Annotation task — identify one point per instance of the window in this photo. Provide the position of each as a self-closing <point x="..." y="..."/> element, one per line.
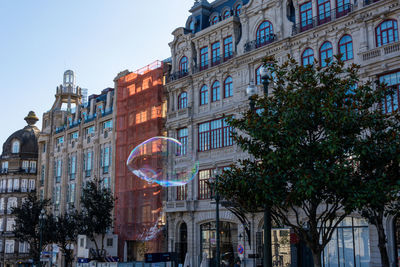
<point x="89" y="130"/>
<point x="16" y="185"/>
<point x="31" y="185"/>
<point x="215" y="54"/>
<point x="387" y="33"/>
<point x="10" y="246"/>
<point x="191" y="26"/>
<point x="71" y="193"/>
<point x="204" y="188"/>
<point x="343" y="8"/>
<point x="349" y="245"/>
<point x="23" y="247"/>
<point x="25" y="165"/>
<point x="24" y="185"/>
<point x="72" y="167"/>
<point x="226" y="14"/>
<point x="107" y="124"/>
<point x="214" y="134"/>
<point x="215" y="92"/>
<point x="58" y="170"/>
<point x="228" y="87"/>
<point x="9" y="185"/>
<point x="57" y="197"/>
<point x="42" y="175"/>
<point x="183" y="139"/>
<point x="306" y="21"/>
<point x="238" y="9"/>
<point x="346" y="47"/>
<point x="109" y="242"/>
<point x="60" y="140"/>
<point x="1" y="224"/>
<point x="88" y="163"/>
<point x="183" y="66"/>
<point x="204" y="58"/>
<point x="228" y="52"/>
<point x="4" y="167"/>
<point x="182" y="100"/>
<point x="15" y="147"/>
<point x="105" y="159"/>
<point x="11" y="203"/>
<point x="181" y="192"/>
<point x="32" y="166"/>
<point x="264" y="33"/>
<point x="325" y="53"/>
<point x="324" y="11"/>
<point x="391" y="102"/>
<point x="307" y="58"/>
<point x="203" y="95"/>
<point x="214" y="20"/>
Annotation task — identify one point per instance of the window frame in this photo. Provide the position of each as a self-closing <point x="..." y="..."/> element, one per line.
<point x="204" y="58"/>
<point x="394" y="30"/>
<point x="229" y="83"/>
<point x="345" y="56"/>
<point x="182" y="137"/>
<point x="342" y="8"/>
<point x="306" y="16"/>
<point x="307" y="57"/>
<point x="215" y="91"/>
<point x="325" y="52"/>
<point x="264" y="33"/>
<point x="238" y="9"/>
<point x="214" y="20"/>
<point x="215" y="53"/>
<point x="326" y="6"/>
<point x="396" y="86"/>
<point x="182" y="100"/>
<point x="203" y="95"/>
<point x="204" y="190"/>
<point x="211" y="137"/>
<point x="16" y="147"/>
<point x="228" y="47"/>
<point x="181" y="192"/>
<point x="183" y="66"/>
<point x="226" y="14"/>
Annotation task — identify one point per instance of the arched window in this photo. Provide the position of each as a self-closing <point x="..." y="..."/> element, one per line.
<point x="325" y="53"/>
<point x="386" y="32"/>
<point x="191" y="26"/>
<point x="307" y="57"/>
<point x="228" y="87"/>
<point x="346" y="47"/>
<point x="182" y="100"/>
<point x="264" y="33"/>
<point x="183" y="66"/>
<point x="238" y="9"/>
<point x="215" y="91"/>
<point x="227" y="14"/>
<point x="203" y="95"/>
<point x="214" y="20"/>
<point x="15" y="147"/>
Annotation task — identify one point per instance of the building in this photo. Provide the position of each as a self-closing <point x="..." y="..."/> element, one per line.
<point x="76" y="145"/>
<point x="17" y="180"/>
<point x="215" y="56"/>
<point x="140" y="115"/>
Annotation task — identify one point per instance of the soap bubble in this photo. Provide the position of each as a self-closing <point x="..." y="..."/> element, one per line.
<point x="153" y="160"/>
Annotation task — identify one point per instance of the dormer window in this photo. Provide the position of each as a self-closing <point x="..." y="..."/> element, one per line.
<point x="15" y="147"/>
<point x="227" y="14"/>
<point x="191" y="26"/>
<point x="214" y="20"/>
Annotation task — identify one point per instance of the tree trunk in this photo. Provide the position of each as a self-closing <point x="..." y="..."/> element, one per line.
<point x="317" y="259"/>
<point x="382" y="242"/>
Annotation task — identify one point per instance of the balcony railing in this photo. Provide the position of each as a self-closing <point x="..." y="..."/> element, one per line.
<point x="259" y="42"/>
<point x="322" y="18"/>
<point x="3" y="170"/>
<point x="179" y="74"/>
<point x="215" y="61"/>
<point x="107" y="112"/>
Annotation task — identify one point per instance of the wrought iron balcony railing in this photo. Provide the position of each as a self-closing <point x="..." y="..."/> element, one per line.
<point x="259" y="42"/>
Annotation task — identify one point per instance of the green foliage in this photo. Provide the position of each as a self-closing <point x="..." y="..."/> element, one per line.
<point x="300" y="141"/>
<point x="95" y="219"/>
<point x="27" y="225"/>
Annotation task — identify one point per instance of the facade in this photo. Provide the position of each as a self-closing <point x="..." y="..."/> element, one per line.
<point x="18" y="179"/>
<point x="140" y="115"/>
<point x="75" y="146"/>
<point x="215" y="57"/>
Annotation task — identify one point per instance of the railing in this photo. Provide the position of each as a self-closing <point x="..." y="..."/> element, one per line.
<point x="322" y="18"/>
<point x="28" y="170"/>
<point x="60" y="129"/>
<point x="179" y="74"/>
<point x="4" y="170"/>
<point x="215" y="61"/>
<point x="74" y="124"/>
<point x="259" y="42"/>
<point x="380" y="51"/>
<point x="228" y="55"/>
<point x="107" y="112"/>
<point x="368" y="2"/>
<point x="90" y="118"/>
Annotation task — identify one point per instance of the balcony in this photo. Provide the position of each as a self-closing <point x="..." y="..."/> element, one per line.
<point x="259" y="42"/>
<point x="90" y="118"/>
<point x="179" y="74"/>
<point x="60" y="129"/>
<point x="331" y="15"/>
<point x="215" y="61"/>
<point x="381" y="51"/>
<point x="4" y="171"/>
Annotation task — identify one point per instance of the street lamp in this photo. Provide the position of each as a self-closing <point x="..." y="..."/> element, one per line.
<point x="251" y="90"/>
<point x="217" y="198"/>
<point x="42" y="217"/>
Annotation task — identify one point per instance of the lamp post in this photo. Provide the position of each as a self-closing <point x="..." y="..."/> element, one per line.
<point x="42" y="217"/>
<point x="251" y="91"/>
<point x="218" y="234"/>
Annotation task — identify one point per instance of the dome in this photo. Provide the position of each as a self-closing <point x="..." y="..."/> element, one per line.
<point x="23" y="142"/>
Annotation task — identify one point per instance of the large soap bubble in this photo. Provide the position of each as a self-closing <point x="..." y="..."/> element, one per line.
<point x="153" y="160"/>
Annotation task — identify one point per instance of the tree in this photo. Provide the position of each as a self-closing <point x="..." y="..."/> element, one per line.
<point x="66" y="233"/>
<point x="377" y="155"/>
<point x="95" y="219"/>
<point x="27" y="227"/>
<point x="300" y="140"/>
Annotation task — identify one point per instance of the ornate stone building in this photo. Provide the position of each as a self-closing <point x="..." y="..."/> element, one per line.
<point x="17" y="179"/>
<point x="215" y="57"/>
<point x="75" y="146"/>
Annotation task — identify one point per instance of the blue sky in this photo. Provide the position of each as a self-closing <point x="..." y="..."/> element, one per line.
<point x="40" y="39"/>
